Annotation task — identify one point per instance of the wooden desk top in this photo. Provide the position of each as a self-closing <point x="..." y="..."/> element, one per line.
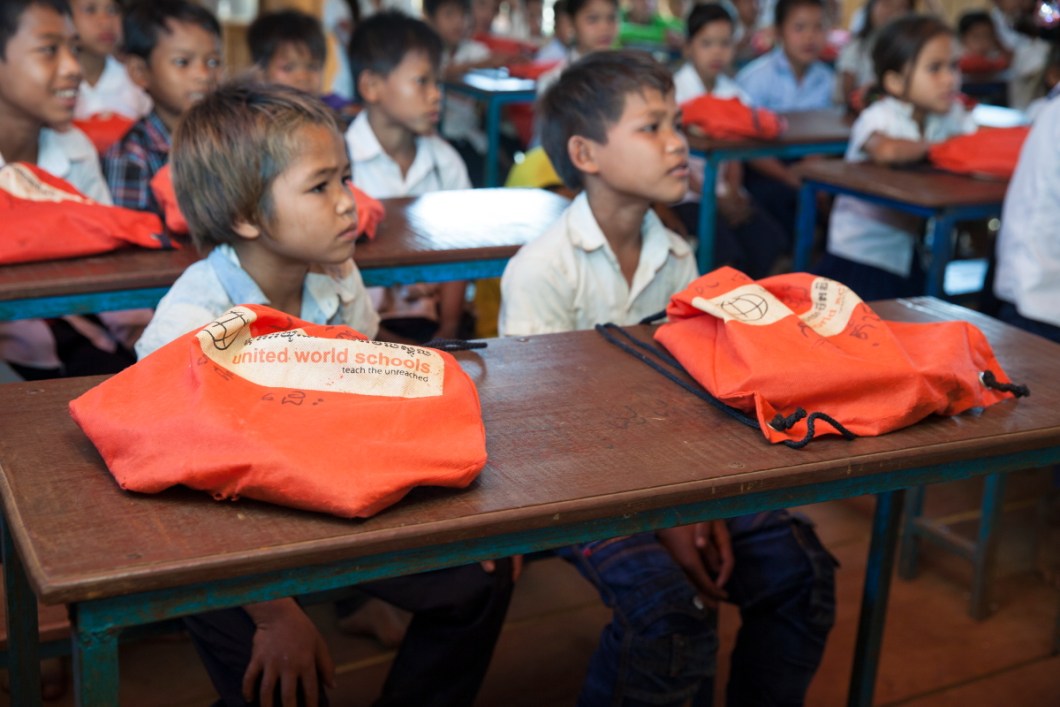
<point x="577" y="430"/>
<point x="920" y="186"/>
<point x="804" y="127"/>
<point x="435" y="228"/>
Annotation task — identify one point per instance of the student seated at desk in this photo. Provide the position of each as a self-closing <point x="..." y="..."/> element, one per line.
<point x="788" y="78"/>
<point x="612" y="129"/>
<point x="39" y="78"/>
<point x="558" y="47"/>
<point x="288" y="48"/>
<point x="173" y="50"/>
<point x="854" y="65"/>
<point x="105" y="83"/>
<point x="595" y="24"/>
<point x="396" y="152"/>
<point x="871" y="248"/>
<point x="745" y="235"/>
<point x="261" y="175"/>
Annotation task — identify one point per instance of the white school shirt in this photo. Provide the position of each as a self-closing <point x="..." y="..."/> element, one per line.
<point x="856" y="59"/>
<point x="688" y="85"/>
<point x="568" y="278"/>
<point x="1028" y="247"/>
<point x="115" y="92"/>
<point x="70" y="156"/>
<point x="875" y="235"/>
<point x="461" y="118"/>
<point x="436" y="166"/>
<point x="770" y="82"/>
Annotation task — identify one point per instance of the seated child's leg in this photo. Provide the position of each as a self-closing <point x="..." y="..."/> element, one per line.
<point x="784" y="584"/>
<point x="661" y="643"/>
<point x="761" y="242"/>
<point x="779" y="199"/>
<point x="224" y="640"/>
<point x="457" y="618"/>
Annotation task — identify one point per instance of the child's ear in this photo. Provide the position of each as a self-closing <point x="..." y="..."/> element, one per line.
<point x="893" y="83"/>
<point x="245" y="229"/>
<point x="137" y="69"/>
<point x="368" y="86"/>
<point x="582" y="153"/>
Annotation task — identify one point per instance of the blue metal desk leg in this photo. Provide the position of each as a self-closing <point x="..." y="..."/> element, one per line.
<point x="95" y="662"/>
<point x="804" y="228"/>
<point x="22" y="636"/>
<point x="986" y="545"/>
<point x="874" y="597"/>
<point x="909" y="556"/>
<point x="493" y="140"/>
<point x="708" y="210"/>
<point x="941" y="249"/>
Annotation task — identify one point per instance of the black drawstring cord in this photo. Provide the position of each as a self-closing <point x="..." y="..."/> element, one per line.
<point x="451" y="345"/>
<point x="990" y="381"/>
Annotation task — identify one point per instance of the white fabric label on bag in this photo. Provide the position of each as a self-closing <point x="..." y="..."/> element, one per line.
<point x="292" y="359"/>
<point x="832" y="304"/>
<point x="749" y="304"/>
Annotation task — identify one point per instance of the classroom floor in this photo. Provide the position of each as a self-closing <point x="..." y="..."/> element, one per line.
<point x="934" y="655"/>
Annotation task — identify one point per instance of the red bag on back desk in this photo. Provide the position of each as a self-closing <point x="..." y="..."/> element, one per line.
<point x="263" y="405"/>
<point x="796" y="341"/>
<point x="45" y="218"/>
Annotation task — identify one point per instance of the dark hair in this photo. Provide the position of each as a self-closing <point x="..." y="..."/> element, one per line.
<point x="228" y="150"/>
<point x="704" y="14"/>
<point x="272" y="30"/>
<point x="561" y="7"/>
<point x="382" y="41"/>
<point x="867" y="28"/>
<point x="786" y="7"/>
<point x="901" y="41"/>
<point x="11" y="17"/>
<point x="589" y="97"/>
<point x="145" y="20"/>
<point x="576" y="6"/>
<point x="970" y="20"/>
<point x="431" y="7"/>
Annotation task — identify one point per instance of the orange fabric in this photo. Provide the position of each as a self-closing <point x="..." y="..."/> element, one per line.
<point x="531" y="69"/>
<point x="262" y="405"/>
<point x="978" y="64"/>
<point x="45" y="218"/>
<point x="728" y="118"/>
<point x="800" y="341"/>
<point x="104" y="129"/>
<point x="991" y="152"/>
<point x="369" y="211"/>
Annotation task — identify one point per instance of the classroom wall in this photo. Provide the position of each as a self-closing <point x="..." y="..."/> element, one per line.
<point x="952" y="8"/>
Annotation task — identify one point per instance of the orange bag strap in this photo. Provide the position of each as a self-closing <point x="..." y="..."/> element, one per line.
<point x="779" y="422"/>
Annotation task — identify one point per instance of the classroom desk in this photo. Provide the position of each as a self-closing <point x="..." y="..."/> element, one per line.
<point x="941" y="196"/>
<point x="584" y="443"/>
<point x="813" y="132"/>
<point x="441" y="236"/>
<point x="495" y="88"/>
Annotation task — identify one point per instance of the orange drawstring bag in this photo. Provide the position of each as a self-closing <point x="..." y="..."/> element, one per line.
<point x="263" y="405"/>
<point x="729" y="118"/>
<point x="46" y="218"/>
<point x="991" y="152"/>
<point x="782" y="346"/>
<point x="104" y="129"/>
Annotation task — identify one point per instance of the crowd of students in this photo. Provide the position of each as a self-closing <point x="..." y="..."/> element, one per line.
<point x="262" y="168"/>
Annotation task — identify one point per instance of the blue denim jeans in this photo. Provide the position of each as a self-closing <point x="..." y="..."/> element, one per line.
<point x="661" y="645"/>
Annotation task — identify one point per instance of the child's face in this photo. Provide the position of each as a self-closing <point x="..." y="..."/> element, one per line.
<point x="747" y="10"/>
<point x="883" y="11"/>
<point x="933" y="78"/>
<point x="409" y="95"/>
<point x="483" y="12"/>
<point x="39" y="73"/>
<point x="451" y="23"/>
<point x="979" y="40"/>
<point x="184" y="66"/>
<point x="563" y="28"/>
<point x="314" y="216"/>
<point x="293" y="65"/>
<point x="595" y="26"/>
<point x="710" y="51"/>
<point x="98" y="23"/>
<point x="646" y="155"/>
<point x="803" y="35"/>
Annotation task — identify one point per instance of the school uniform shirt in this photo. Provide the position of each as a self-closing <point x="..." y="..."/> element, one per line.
<point x="569" y="278"/>
<point x="1028" y="247"/>
<point x="461" y="119"/>
<point x="436" y="166"/>
<point x="554" y="50"/>
<point x="217" y="283"/>
<point x="115" y="92"/>
<point x="770" y="82"/>
<point x="856" y="59"/>
<point x="131" y="162"/>
<point x="70" y="156"/>
<point x="875" y="235"/>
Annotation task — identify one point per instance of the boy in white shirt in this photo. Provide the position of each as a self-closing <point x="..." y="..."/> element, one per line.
<point x="105" y="85"/>
<point x="612" y="128"/>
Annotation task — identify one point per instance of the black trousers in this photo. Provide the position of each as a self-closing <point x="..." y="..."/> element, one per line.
<point x="457" y="618"/>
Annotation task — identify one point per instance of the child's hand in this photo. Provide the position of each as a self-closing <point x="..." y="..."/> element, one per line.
<point x="490" y="566"/>
<point x="735" y="208"/>
<point x="696" y="548"/>
<point x="288" y="651"/>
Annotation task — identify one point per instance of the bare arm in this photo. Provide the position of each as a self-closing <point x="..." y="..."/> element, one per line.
<point x="891" y="150"/>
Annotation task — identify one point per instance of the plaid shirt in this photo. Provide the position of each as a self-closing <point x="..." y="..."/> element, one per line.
<point x="130" y="163"/>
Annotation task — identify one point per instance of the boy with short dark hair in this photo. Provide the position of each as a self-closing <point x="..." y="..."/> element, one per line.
<point x="173" y="52"/>
<point x="594" y="28"/>
<point x="289" y="48"/>
<point x="262" y="177"/>
<point x="612" y="128"/>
